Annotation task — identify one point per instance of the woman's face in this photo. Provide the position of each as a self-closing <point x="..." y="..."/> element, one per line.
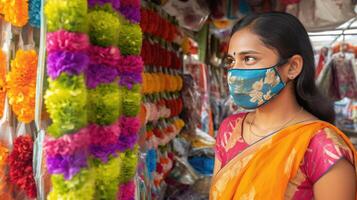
<point x="247" y="51"/>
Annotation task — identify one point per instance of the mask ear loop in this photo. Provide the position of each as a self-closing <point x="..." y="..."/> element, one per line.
<point x="279" y="64"/>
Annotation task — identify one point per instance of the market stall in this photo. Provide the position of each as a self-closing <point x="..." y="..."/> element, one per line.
<point x="123" y="99"/>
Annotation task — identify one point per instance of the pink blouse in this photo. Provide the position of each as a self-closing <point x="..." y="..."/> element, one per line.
<point x="326" y="148"/>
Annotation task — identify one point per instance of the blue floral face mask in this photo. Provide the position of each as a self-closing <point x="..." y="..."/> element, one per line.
<point x="251" y="88"/>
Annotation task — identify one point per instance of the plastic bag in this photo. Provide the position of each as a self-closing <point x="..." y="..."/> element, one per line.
<point x="191" y="14"/>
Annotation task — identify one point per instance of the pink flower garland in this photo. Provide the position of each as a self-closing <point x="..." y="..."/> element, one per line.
<point x="67" y="41"/>
<point x="126" y="191"/>
<point x="109" y="56"/>
<point x="104" y="135"/>
<point x="67" y="144"/>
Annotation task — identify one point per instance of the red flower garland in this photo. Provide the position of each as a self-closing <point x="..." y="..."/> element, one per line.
<point x="20" y="161"/>
<point x="154" y="24"/>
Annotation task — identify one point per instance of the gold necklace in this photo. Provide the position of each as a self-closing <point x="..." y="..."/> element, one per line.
<point x="286" y="123"/>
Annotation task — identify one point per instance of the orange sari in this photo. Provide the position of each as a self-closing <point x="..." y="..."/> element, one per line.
<point x="264" y="169"/>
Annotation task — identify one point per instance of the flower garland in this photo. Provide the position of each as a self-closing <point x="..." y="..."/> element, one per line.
<point x="86" y="161"/>
<point x="103" y="28"/>
<point x="21" y="84"/>
<point x="109" y="56"/>
<point x="113" y="94"/>
<point x="63" y="40"/>
<point x="104" y="104"/>
<point x="155" y="24"/>
<point x="164" y="83"/>
<point x="2" y="81"/>
<point x="67" y="147"/>
<point x="132" y="101"/>
<point x="20" y="161"/>
<point x="154" y="54"/>
<point x="73" y="63"/>
<point x="128" y="169"/>
<point x="131" y="10"/>
<point x="127" y="191"/>
<point x="98" y="74"/>
<point x="130" y="71"/>
<point x="35" y="13"/>
<point x="114" y="3"/>
<point x="130" y="38"/>
<point x="130" y="127"/>
<point x="68" y="144"/>
<point x="67" y="165"/>
<point x="65" y="101"/>
<point x="70" y="15"/>
<point x="107" y="178"/>
<point x="16" y="12"/>
<point x="80" y="187"/>
<point x="104" y="141"/>
<point x="4" y="153"/>
<point x="151" y="158"/>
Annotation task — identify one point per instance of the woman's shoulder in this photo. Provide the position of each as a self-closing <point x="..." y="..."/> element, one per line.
<point x="325" y="149"/>
<point x="328" y="137"/>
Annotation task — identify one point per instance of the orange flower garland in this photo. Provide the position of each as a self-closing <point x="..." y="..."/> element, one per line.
<point x="2" y="5"/>
<point x="161" y="82"/>
<point x="4" y="184"/>
<point x="21" y="84"/>
<point x="2" y="81"/>
<point x="144" y="84"/>
<point x="16" y="12"/>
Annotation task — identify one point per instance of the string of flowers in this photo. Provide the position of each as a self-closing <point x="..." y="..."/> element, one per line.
<point x="67" y="144"/>
<point x="2" y="81"/>
<point x="130" y="71"/>
<point x="5" y="187"/>
<point x="81" y="186"/>
<point x="114" y="97"/>
<point x="35" y="13"/>
<point x="110" y="104"/>
<point x="162" y="102"/>
<point x="21" y="85"/>
<point x="20" y="162"/>
<point x="16" y="12"/>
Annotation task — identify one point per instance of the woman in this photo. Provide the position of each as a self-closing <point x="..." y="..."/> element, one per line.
<point x="285" y="148"/>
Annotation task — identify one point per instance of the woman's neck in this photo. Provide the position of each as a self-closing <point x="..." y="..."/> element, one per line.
<point x="279" y="110"/>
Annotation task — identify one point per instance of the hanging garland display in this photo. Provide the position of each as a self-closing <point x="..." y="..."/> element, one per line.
<point x="94" y="98"/>
<point x="162" y="83"/>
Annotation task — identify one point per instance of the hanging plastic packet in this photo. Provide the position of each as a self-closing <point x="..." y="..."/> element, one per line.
<point x="190" y="14"/>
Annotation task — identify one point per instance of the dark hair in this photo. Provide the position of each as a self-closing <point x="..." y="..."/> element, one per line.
<point x="285" y="33"/>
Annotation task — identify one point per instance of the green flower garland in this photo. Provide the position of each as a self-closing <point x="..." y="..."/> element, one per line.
<point x="66" y="101"/>
<point x="130" y="161"/>
<point x="130" y="38"/>
<point x="70" y="15"/>
<point x="80" y="187"/>
<point x="103" y="28"/>
<point x="131" y="101"/>
<point x="107" y="179"/>
<point x="104" y="104"/>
